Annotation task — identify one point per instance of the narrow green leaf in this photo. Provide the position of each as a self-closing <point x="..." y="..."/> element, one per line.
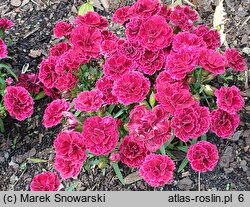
<point x="194" y="141"/>
<point x="111" y="108"/>
<point x="118" y="172"/>
<point x="85" y="8"/>
<point x="183" y="148"/>
<point x="40" y="95"/>
<point x="162" y="150"/>
<point x="73" y="186"/>
<point x="1" y="126"/>
<point x="119" y="113"/>
<point x="182" y="165"/>
<point x="8" y="68"/>
<point x="171" y="155"/>
<point x="204" y="137"/>
<point x="36" y="160"/>
<point x="169" y="141"/>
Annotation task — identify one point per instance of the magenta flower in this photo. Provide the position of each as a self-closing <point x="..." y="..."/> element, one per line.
<point x="62" y="29"/>
<point x="150" y="127"/>
<point x="132" y="153"/>
<point x="235" y="60"/>
<point x="190" y="123"/>
<point x="229" y="99"/>
<point x="155" y="33"/>
<point x="203" y="156"/>
<point x="54" y="112"/>
<point x="18" y="102"/>
<point x="3" y="49"/>
<point x="5" y="24"/>
<point x="92" y="19"/>
<point x="89" y="101"/>
<point x="47" y="181"/>
<point x="131" y="88"/>
<point x="100" y="134"/>
<point x="224" y="124"/>
<point x="157" y="170"/>
<point x="70" y="145"/>
<point x="67" y="168"/>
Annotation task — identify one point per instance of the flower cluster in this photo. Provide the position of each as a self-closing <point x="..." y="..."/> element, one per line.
<point x="152" y="80"/>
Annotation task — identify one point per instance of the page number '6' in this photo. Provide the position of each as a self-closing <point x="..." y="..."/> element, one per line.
<point x="241" y="198"/>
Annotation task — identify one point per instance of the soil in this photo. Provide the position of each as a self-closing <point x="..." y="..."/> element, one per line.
<point x="34" y="21"/>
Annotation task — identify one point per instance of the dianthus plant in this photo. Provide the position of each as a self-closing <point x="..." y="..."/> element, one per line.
<point x="138" y="98"/>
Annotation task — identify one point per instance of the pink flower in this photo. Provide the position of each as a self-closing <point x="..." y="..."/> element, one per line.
<point x="67" y="168"/>
<point x="92" y="19"/>
<point x="71" y="121"/>
<point x="3" y="49"/>
<point x="115" y="157"/>
<point x="155" y="33"/>
<point x="157" y="170"/>
<point x="30" y="82"/>
<point x="203" y="156"/>
<point x="183" y="17"/>
<point x="145" y="8"/>
<point x="5" y="24"/>
<point x="210" y="37"/>
<point x="66" y="82"/>
<point x="131" y="88"/>
<point x="88" y="39"/>
<point x="224" y="124"/>
<point x="101" y="134"/>
<point x="187" y="40"/>
<point x="172" y="98"/>
<point x="229" y="99"/>
<point x="18" y="102"/>
<point x="54" y="112"/>
<point x="47" y="74"/>
<point x="68" y="62"/>
<point x="116" y="66"/>
<point x="235" y="60"/>
<point x="54" y="93"/>
<point x="59" y="49"/>
<point x="164" y="80"/>
<point x="212" y="61"/>
<point x="151" y="61"/>
<point x="150" y="127"/>
<point x="62" y="29"/>
<point x="121" y="15"/>
<point x="132" y="152"/>
<point x="9" y="81"/>
<point x="191" y="123"/>
<point x="165" y="12"/>
<point x="180" y="63"/>
<point x="133" y="28"/>
<point x="89" y="101"/>
<point x="105" y="85"/>
<point x="132" y="50"/>
<point x="47" y="181"/>
<point x="69" y="145"/>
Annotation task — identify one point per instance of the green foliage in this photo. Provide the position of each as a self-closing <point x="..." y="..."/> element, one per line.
<point x="85" y="8"/>
<point x="118" y="172"/>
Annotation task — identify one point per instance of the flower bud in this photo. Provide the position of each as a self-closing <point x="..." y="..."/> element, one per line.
<point x="115" y="157"/>
<point x="196" y="97"/>
<point x="152" y="99"/>
<point x="190" y="80"/>
<point x="209" y="90"/>
<point x="205" y="73"/>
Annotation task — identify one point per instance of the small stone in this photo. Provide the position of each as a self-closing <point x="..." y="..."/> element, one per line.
<point x="245" y="168"/>
<point x="246" y="50"/>
<point x="6" y="155"/>
<point x="227" y="157"/>
<point x="25" y="2"/>
<point x="185" y="184"/>
<point x="16" y="3"/>
<point x="35" y="53"/>
<point x="2" y="159"/>
<point x="243" y="163"/>
<point x="228" y="170"/>
<point x="236" y="136"/>
<point x="247" y="139"/>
